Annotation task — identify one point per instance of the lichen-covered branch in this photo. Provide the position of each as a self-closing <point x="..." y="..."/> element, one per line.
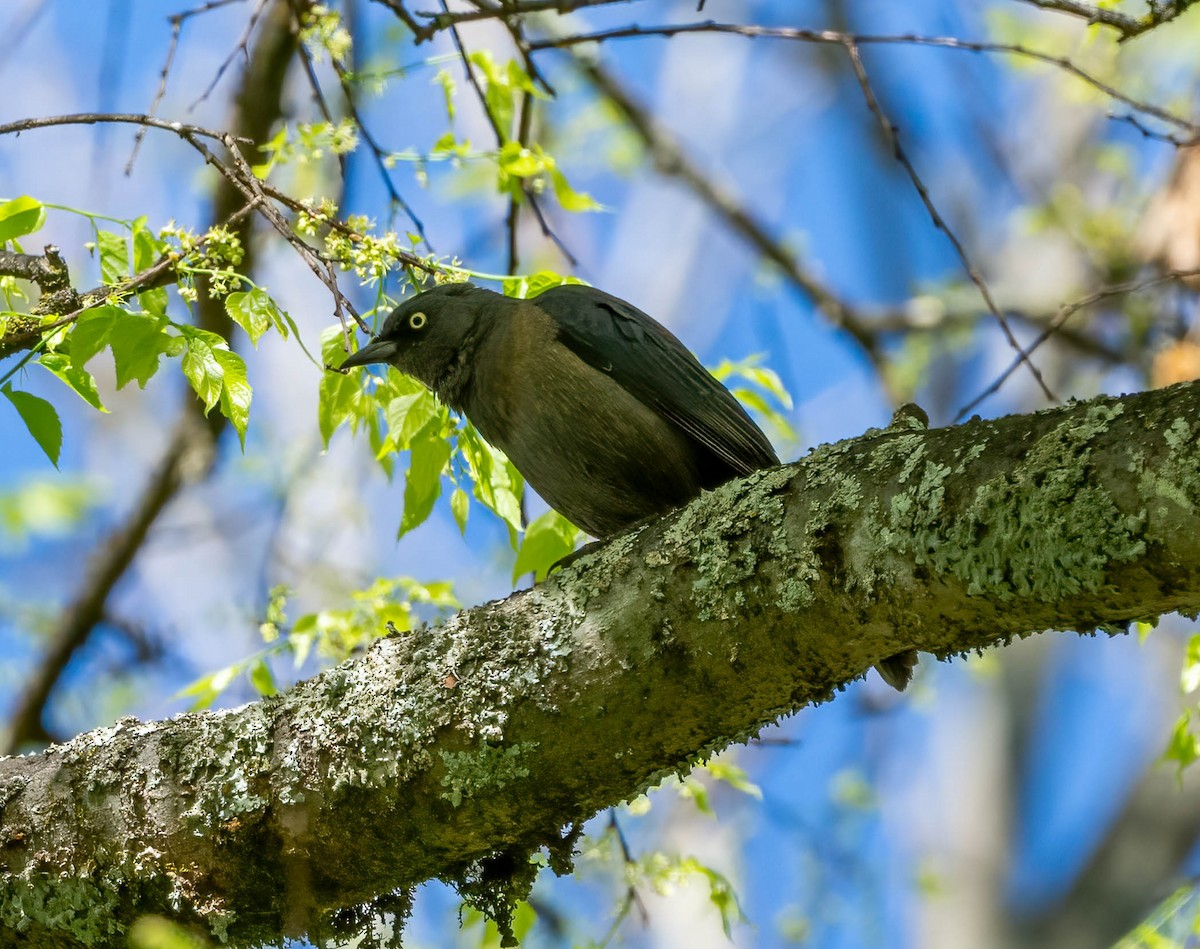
<point x="456" y="751"/>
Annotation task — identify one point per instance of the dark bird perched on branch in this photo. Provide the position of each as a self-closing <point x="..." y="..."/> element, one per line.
<point x="602" y="410"/>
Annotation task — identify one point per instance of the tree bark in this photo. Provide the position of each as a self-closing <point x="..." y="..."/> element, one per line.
<point x="457" y="751"/>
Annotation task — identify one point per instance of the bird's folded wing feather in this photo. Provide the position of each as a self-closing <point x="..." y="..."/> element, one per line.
<point x="646" y="360"/>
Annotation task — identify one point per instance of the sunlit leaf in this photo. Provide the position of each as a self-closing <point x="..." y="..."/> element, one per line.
<point x="40" y="418"/>
<point x="262" y="678"/>
<point x="90" y="333"/>
<point x="339" y="400"/>
<point x="408" y="414"/>
<point x="80" y="380"/>
<point x="460" y="507"/>
<point x="570" y="199"/>
<point x="204" y="372"/>
<point x="254" y="311"/>
<point x="20" y="216"/>
<point x="114" y="256"/>
<point x="423" y="483"/>
<point x="137" y="341"/>
<point x="546" y="541"/>
<point x="235" y="391"/>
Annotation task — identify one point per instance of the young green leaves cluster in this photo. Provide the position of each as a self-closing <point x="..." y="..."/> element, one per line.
<point x="388" y="604"/>
<point x="520" y="167"/>
<point x="133" y="322"/>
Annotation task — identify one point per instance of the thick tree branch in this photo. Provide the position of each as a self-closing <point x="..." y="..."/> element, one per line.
<point x="454" y="752"/>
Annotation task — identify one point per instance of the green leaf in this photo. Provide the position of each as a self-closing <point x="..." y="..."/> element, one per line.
<point x="498" y="484"/>
<point x="423" y="484"/>
<point x="40" y="418"/>
<point x="154" y="301"/>
<point x="147" y="248"/>
<point x="547" y="540"/>
<point x="235" y="391"/>
<point x="204" y="372"/>
<point x="137" y="340"/>
<point x="20" y="216"/>
<point x="333" y="346"/>
<point x="90" y="334"/>
<point x="1190" y="677"/>
<point x="339" y="400"/>
<point x="206" y="689"/>
<point x="1183" y="747"/>
<point x="114" y="256"/>
<point x="570" y="199"/>
<point x="254" y="311"/>
<point x="51" y="506"/>
<point x="533" y="284"/>
<point x="80" y="380"/>
<point x="520" y="162"/>
<point x="460" y="507"/>
<point x="446" y="81"/>
<point x="155" y="932"/>
<point x="408" y="415"/>
<point x="262" y="678"/>
<point x="734" y="776"/>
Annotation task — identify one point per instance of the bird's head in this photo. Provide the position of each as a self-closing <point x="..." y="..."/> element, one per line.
<point x="422" y="336"/>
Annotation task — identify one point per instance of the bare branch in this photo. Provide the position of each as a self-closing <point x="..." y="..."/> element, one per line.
<point x="834" y="37"/>
<point x="1065" y="313"/>
<point x="891" y="134"/>
<point x="176" y="20"/>
<point x="1161" y="11"/>
<point x="241" y="47"/>
<point x="444" y="20"/>
<point x="502" y="136"/>
<point x="95" y="118"/>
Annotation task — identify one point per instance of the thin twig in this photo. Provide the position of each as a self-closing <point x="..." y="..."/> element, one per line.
<point x="443" y="20"/>
<point x="245" y="181"/>
<point x="377" y="151"/>
<point x="176" y="20"/>
<point x="156" y="275"/>
<point x="242" y="47"/>
<point x="129" y="118"/>
<point x="834" y="37"/>
<point x="1127" y="26"/>
<point x="670" y="159"/>
<point x="892" y="136"/>
<point x="502" y="138"/>
<point x="1064" y="313"/>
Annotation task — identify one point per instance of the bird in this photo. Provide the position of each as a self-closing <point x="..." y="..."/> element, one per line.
<point x="603" y="411"/>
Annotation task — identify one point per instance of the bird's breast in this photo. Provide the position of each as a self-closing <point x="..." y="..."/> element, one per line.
<point x="586" y="445"/>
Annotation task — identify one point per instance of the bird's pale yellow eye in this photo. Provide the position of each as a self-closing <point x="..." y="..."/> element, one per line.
<point x="417" y="321"/>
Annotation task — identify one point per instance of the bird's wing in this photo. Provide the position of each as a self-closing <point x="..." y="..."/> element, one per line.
<point x="646" y="360"/>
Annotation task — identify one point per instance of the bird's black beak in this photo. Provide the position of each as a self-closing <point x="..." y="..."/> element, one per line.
<point x="378" y="350"/>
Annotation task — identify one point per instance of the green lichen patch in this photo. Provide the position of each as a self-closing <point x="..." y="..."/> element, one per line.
<point x="1174" y="478"/>
<point x="1042" y="530"/>
<point x="485" y="768"/>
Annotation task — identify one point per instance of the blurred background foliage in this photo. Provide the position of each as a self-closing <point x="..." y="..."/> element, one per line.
<point x="241" y="518"/>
